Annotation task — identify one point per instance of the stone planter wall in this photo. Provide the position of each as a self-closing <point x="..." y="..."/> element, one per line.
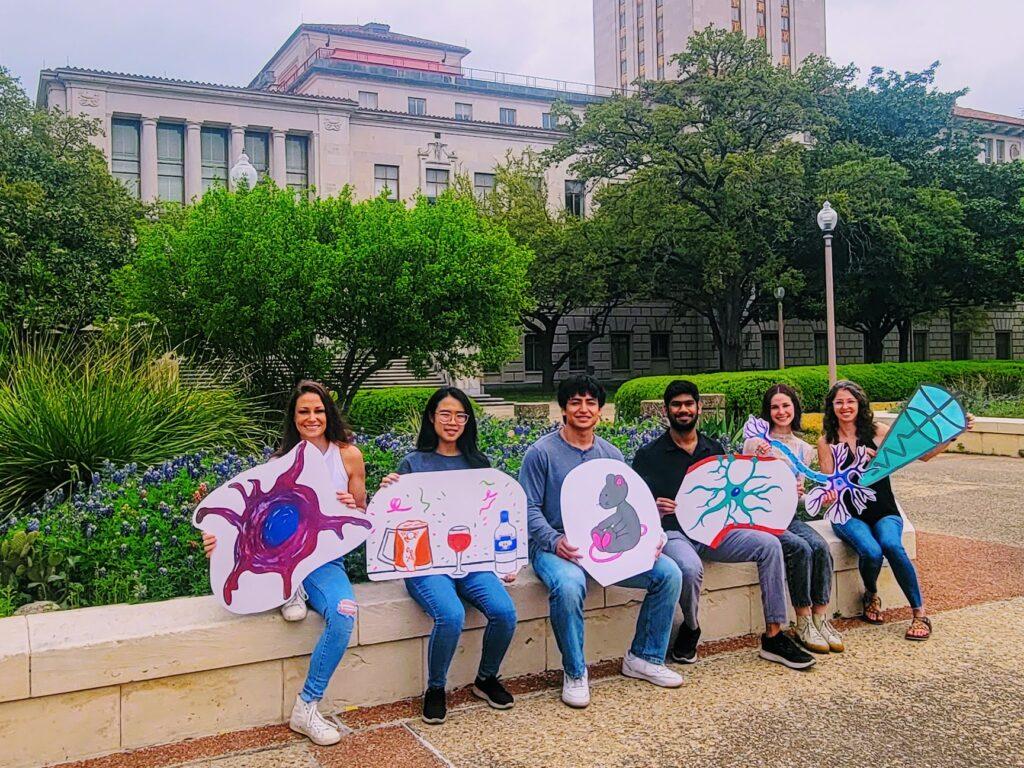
<point x="991" y="437"/>
<point x="712" y="405"/>
<point x="81" y="683"/>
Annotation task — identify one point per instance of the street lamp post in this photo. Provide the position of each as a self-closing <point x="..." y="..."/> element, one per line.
<point x="827" y="220"/>
<point x="243" y="169"/>
<point x="780" y="294"/>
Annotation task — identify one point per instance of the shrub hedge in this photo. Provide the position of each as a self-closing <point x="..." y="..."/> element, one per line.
<point x="882" y="381"/>
<point x="374" y="411"/>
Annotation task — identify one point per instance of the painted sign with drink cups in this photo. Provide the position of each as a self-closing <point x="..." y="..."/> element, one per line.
<point x="455" y="522"/>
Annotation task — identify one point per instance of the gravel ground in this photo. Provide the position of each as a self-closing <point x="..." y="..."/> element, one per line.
<point x="977" y="497"/>
<point x="953" y="701"/>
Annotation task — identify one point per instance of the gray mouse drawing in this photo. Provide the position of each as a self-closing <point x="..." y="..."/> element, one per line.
<point x="621" y="530"/>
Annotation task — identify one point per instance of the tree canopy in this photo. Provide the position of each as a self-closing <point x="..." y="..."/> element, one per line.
<point x="299" y="287"/>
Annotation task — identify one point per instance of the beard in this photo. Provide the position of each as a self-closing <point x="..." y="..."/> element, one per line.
<point x="684" y="426"/>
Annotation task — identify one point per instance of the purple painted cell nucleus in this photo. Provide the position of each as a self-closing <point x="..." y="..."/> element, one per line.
<point x="277" y="529"/>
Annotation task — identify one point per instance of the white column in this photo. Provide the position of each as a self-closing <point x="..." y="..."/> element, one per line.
<point x="278" y="170"/>
<point x="147" y="160"/>
<point x="193" y="162"/>
<point x="236" y="145"/>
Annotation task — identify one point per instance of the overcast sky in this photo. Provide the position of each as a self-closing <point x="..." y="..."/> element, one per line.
<point x="227" y="41"/>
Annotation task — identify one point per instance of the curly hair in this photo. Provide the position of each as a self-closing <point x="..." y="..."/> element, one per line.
<point x="788" y="391"/>
<point x="865" y="421"/>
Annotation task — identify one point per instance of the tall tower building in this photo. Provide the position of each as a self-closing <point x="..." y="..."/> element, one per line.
<point x="636" y="38"/>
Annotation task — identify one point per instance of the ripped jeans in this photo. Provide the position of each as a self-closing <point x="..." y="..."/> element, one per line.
<point x="326" y="588"/>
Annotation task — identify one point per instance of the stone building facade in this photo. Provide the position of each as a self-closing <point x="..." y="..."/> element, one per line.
<point x="380" y="111"/>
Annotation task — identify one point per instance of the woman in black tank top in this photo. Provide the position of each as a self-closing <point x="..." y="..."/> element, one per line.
<point x="877" y="531"/>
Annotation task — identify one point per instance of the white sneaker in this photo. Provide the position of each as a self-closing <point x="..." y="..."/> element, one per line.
<point x="809" y="636"/>
<point x="659" y="674"/>
<point x="307" y="720"/>
<point x="295" y="608"/>
<point x="830" y="633"/>
<point x="576" y="690"/>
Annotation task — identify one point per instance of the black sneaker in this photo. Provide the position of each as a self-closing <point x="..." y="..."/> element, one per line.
<point x="684" y="651"/>
<point x="435" y="708"/>
<point x="784" y="651"/>
<point x="493" y="692"/>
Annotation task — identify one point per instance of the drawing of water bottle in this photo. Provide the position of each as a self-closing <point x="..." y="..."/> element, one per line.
<point x="505" y="545"/>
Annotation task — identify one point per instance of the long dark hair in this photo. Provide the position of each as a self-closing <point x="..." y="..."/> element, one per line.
<point x="427" y="440"/>
<point x="865" y="421"/>
<point x="788" y="391"/>
<point x="338" y="430"/>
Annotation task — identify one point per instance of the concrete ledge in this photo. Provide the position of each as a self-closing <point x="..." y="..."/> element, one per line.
<point x="127" y="676"/>
<point x="990" y="436"/>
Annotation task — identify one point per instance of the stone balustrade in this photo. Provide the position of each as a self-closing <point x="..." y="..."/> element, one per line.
<point x="81" y="683"/>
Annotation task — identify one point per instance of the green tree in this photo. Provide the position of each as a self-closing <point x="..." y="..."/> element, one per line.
<point x="293" y="287"/>
<point x="713" y="170"/>
<point x="65" y="222"/>
<point x="581" y="266"/>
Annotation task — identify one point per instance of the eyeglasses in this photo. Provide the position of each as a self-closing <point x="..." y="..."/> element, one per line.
<point x="447" y="417"/>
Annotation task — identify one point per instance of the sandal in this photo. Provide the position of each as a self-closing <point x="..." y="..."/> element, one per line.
<point x="872" y="608"/>
<point x="917" y="624"/>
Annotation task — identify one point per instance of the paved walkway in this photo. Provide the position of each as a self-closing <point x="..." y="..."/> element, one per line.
<point x="953" y="701"/>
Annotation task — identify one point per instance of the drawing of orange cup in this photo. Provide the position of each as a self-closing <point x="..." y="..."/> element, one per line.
<point x="407" y="546"/>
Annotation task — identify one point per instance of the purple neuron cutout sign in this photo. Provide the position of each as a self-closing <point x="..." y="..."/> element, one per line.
<point x="277" y="532"/>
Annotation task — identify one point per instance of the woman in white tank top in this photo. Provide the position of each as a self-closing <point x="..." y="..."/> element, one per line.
<point x="313" y="415"/>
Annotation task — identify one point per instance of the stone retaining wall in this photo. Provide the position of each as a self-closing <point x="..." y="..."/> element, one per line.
<point x="81" y="683"/>
<point x="990" y="436"/>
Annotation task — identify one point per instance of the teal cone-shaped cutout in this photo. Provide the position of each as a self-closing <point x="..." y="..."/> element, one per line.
<point x="932" y="417"/>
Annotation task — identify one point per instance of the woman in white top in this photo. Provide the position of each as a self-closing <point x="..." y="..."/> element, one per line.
<point x="807" y="555"/>
<point x="313" y="415"/>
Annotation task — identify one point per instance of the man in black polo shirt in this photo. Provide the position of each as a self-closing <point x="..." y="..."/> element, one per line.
<point x="662" y="464"/>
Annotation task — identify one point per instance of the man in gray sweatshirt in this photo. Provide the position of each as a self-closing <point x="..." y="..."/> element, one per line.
<point x="555" y="559"/>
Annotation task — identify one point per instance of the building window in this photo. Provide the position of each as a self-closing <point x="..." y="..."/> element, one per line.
<point x="961" y="345"/>
<point x="989" y="151"/>
<point x="622" y="43"/>
<point x="385" y="180"/>
<point x="1004" y="345"/>
<point x="170" y="162"/>
<point x="531" y="352"/>
<point x="1000" y="151"/>
<point x="579" y="351"/>
<point x="762" y="30"/>
<point x="549" y="121"/>
<point x="367" y="99"/>
<point x="620" y="343"/>
<point x="574" y="197"/>
<point x="214" y="148"/>
<point x="437" y="182"/>
<point x="483" y="184"/>
<point x="507" y="116"/>
<point x="770" y="350"/>
<point x="124" y="153"/>
<point x="737" y="22"/>
<point x="463" y="111"/>
<point x="622" y="68"/>
<point x="821" y="348"/>
<point x="920" y="346"/>
<point x="257" y="147"/>
<point x="660" y="345"/>
<point x="296" y="161"/>
<point x="417" y="106"/>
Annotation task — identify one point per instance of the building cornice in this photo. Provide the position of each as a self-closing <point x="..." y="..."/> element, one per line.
<point x="451" y="125"/>
<point x="158" y="86"/>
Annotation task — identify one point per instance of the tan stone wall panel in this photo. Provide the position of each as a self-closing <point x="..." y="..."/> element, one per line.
<point x="14" y="658"/>
<point x="200" y="704"/>
<point x="55" y="729"/>
<point x="93" y="647"/>
<point x="526" y="655"/>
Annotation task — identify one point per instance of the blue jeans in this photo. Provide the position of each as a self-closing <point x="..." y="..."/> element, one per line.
<point x="872" y="542"/>
<point x="325" y="588"/>
<point x="567" y="587"/>
<point x="808" y="565"/>
<point x="439" y="596"/>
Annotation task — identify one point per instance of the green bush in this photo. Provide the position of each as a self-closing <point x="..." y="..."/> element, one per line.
<point x="66" y="407"/>
<point x="882" y="381"/>
<point x="375" y="411"/>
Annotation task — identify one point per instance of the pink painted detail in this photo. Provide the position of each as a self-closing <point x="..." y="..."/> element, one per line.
<point x="396" y="505"/>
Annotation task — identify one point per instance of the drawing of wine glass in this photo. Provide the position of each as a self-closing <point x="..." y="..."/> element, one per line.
<point x="459" y="539"/>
